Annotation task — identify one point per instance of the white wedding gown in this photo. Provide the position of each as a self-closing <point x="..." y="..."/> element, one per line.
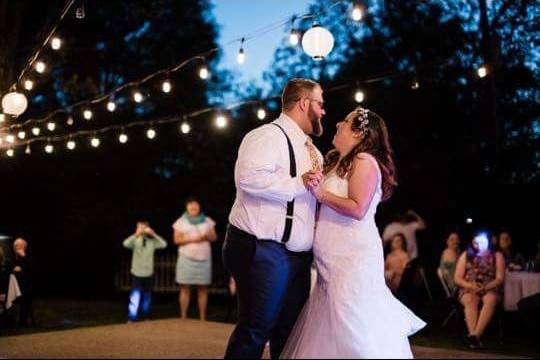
<point x="351" y="313"/>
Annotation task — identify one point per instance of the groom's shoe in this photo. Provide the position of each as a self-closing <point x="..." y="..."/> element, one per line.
<point x="474" y="342"/>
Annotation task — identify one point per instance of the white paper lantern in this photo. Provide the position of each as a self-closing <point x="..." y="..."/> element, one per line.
<point x="317" y="42"/>
<point x="14" y="103"/>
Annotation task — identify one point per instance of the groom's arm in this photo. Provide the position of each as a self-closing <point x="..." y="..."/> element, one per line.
<point x="262" y="167"/>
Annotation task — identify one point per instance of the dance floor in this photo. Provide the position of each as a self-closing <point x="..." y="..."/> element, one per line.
<point x="171" y="338"/>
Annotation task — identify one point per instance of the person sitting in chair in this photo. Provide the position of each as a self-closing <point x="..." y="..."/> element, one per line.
<point x="396" y="261"/>
<point x="479" y="275"/>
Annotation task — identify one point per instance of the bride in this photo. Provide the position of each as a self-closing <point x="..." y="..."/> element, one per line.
<point x="351" y="313"/>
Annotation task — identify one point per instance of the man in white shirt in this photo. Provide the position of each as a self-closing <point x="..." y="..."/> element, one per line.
<point x="268" y="244"/>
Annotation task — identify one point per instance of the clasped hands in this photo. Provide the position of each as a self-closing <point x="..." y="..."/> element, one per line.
<point x="312" y="181"/>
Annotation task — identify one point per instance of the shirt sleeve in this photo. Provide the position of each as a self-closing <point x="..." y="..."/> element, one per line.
<point x="261" y="169"/>
<point x="160" y="242"/>
<point x="129" y="243"/>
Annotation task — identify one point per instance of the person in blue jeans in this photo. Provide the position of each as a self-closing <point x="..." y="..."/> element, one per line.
<point x="144" y="242"/>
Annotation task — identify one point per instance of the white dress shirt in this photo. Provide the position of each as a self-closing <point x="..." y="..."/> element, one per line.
<point x="264" y="185"/>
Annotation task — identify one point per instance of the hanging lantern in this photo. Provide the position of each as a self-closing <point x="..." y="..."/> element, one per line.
<point x="14" y="103"/>
<point x="317" y="42"/>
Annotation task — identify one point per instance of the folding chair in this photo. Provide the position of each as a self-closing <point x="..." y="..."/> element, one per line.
<point x="455" y="306"/>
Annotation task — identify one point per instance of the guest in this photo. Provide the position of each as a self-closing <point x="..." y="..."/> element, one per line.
<point x="407" y="224"/>
<point x="514" y="260"/>
<point x="144" y="242"/>
<point x="479" y="275"/>
<point x="22" y="269"/>
<point x="396" y="261"/>
<point x="448" y="260"/>
<point x="193" y="233"/>
<point x="4" y="280"/>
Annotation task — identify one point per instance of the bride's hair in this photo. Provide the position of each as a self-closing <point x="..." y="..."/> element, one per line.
<point x="375" y="142"/>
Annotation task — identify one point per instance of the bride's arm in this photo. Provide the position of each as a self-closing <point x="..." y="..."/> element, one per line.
<point x="362" y="186"/>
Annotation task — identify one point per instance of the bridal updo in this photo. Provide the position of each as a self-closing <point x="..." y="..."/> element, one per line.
<point x="374" y="141"/>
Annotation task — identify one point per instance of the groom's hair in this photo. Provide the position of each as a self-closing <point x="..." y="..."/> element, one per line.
<point x="293" y="91"/>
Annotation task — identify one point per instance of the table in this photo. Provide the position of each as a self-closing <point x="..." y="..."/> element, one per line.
<point x="517" y="285"/>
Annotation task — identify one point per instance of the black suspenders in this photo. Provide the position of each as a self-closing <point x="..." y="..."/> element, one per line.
<point x="290" y="204"/>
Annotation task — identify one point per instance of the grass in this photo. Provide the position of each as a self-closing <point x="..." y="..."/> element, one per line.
<point x="54" y="314"/>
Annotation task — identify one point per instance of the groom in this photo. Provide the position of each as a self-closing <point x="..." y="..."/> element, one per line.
<point x="270" y="234"/>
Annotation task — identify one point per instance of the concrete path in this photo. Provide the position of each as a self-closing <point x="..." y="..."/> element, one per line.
<point x="171" y="338"/>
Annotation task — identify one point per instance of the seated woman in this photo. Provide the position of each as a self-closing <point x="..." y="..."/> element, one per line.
<point x="479" y="275"/>
<point x="396" y="261"/>
<point x="514" y="260"/>
<point x="449" y="259"/>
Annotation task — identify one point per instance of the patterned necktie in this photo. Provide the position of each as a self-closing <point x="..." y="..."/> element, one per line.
<point x="315" y="165"/>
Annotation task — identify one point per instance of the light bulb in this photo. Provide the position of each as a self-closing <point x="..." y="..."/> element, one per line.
<point x="150" y="133"/>
<point x="69" y="120"/>
<point x="80" y="13"/>
<point x="294" y="38"/>
<point x="482" y="71"/>
<point x="21" y="135"/>
<point x="10" y="152"/>
<point x="2" y="118"/>
<point x="28" y="150"/>
<point x="51" y="126"/>
<point x="28" y="84"/>
<point x="40" y="67"/>
<point x="138" y="97"/>
<point x="203" y="72"/>
<point x="123" y="138"/>
<point x="56" y="43"/>
<point x="415" y="84"/>
<point x="87" y="114"/>
<point x="357" y="13"/>
<point x="166" y="86"/>
<point x="36" y="131"/>
<point x="70" y="144"/>
<point x="10" y="138"/>
<point x="111" y="106"/>
<point x="185" y="128"/>
<point x="241" y="56"/>
<point x="359" y="96"/>
<point x="49" y="148"/>
<point x="95" y="142"/>
<point x="221" y="121"/>
<point x="261" y="114"/>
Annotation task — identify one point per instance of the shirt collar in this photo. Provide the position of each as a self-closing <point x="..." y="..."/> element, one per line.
<point x="292" y="128"/>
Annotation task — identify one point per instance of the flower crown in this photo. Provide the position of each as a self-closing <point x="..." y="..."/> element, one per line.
<point x="363" y="117"/>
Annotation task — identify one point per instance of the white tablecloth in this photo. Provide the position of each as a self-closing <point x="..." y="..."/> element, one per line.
<point x="13" y="291"/>
<point x="517" y="285"/>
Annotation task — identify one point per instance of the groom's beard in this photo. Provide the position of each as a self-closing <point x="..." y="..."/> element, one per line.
<point x="316" y="125"/>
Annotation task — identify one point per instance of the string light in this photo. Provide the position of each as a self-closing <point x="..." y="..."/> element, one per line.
<point x="357" y="12"/>
<point x="415" y="84"/>
<point x="10" y="138"/>
<point x="122" y="138"/>
<point x="49" y="148"/>
<point x="40" y="67"/>
<point x="185" y="128"/>
<point x="36" y="131"/>
<point x="294" y="37"/>
<point x="95" y="142"/>
<point x="111" y="106"/>
<point x="221" y="121"/>
<point x="203" y="72"/>
<point x="2" y="117"/>
<point x="138" y="97"/>
<point x="51" y="126"/>
<point x="56" y="43"/>
<point x="10" y="152"/>
<point x="151" y="133"/>
<point x="70" y="145"/>
<point x="87" y="114"/>
<point x="482" y="71"/>
<point x="166" y="86"/>
<point x="21" y="135"/>
<point x="261" y="114"/>
<point x="80" y="13"/>
<point x="359" y="96"/>
<point x="69" y="120"/>
<point x="28" y="150"/>
<point x="241" y="56"/>
<point x="28" y="84"/>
